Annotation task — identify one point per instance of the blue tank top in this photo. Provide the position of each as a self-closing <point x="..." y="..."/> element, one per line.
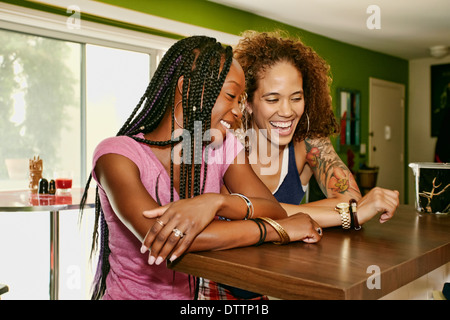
<point x="291" y="190"/>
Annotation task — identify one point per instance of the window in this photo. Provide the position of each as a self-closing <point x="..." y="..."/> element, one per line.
<point x="115" y="81"/>
<point x="39" y="105"/>
<point x="58" y="100"/>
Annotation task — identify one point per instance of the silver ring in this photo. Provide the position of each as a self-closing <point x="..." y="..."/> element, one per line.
<point x="178" y="233"/>
<point x="319" y="231"/>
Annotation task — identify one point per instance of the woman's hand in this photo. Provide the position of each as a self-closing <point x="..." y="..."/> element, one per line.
<point x="378" y="201"/>
<point x="301" y="227"/>
<point x="177" y="226"/>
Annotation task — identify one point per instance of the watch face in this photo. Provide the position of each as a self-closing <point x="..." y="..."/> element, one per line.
<point x="342" y="205"/>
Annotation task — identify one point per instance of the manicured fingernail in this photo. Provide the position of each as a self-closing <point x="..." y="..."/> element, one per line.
<point x="144" y="249"/>
<point x="151" y="260"/>
<point x="159" y="260"/>
<point x="172" y="258"/>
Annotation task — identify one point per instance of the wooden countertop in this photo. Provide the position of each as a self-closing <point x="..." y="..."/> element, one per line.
<point x="343" y="265"/>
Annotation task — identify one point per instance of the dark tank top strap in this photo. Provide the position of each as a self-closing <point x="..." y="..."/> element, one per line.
<point x="291" y="190"/>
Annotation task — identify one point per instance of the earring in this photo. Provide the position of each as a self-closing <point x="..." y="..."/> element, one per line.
<point x="174" y="117"/>
<point x="307" y="118"/>
<point x="242" y="101"/>
<point x="242" y="133"/>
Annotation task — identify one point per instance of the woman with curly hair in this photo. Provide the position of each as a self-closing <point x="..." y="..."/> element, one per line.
<point x="288" y="119"/>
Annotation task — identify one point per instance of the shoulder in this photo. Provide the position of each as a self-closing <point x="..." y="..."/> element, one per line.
<point x="318" y="142"/>
<point x="301" y="157"/>
<point x="121" y="145"/>
<point x="300" y="149"/>
<point x="313" y="150"/>
<point x="116" y="144"/>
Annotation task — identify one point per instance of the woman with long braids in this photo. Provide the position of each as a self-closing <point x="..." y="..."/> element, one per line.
<point x="289" y="106"/>
<point x="170" y="159"/>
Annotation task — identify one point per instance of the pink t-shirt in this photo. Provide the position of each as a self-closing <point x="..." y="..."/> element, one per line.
<point x="130" y="275"/>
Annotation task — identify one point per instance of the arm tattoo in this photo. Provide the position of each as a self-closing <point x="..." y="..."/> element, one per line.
<point x="331" y="173"/>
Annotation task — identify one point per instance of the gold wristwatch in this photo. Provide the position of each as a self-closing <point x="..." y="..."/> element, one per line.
<point x="344" y="211"/>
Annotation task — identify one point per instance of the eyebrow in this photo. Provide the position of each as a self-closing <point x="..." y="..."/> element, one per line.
<point x="277" y="94"/>
<point x="233" y="81"/>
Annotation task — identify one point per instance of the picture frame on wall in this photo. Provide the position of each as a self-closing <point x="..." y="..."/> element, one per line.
<point x="440" y="95"/>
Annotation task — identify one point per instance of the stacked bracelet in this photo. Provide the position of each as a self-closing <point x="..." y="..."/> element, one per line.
<point x="353" y="205"/>
<point x="262" y="231"/>
<point x="284" y="236"/>
<point x="249" y="204"/>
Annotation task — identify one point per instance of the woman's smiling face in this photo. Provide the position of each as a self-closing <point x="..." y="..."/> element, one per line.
<point x="226" y="113"/>
<point x="278" y="102"/>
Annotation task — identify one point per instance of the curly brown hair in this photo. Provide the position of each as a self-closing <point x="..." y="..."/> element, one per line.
<point x="256" y="52"/>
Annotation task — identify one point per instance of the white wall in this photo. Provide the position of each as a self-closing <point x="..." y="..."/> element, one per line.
<point x="420" y="143"/>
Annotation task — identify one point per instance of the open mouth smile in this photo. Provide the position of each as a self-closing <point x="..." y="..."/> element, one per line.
<point x="283" y="127"/>
<point x="227" y="125"/>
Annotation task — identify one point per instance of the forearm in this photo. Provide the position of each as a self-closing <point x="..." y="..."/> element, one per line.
<point x="235" y="207"/>
<point x="221" y="235"/>
<point x="321" y="211"/>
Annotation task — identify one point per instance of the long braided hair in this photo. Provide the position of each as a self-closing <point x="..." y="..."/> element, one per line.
<point x="198" y="59"/>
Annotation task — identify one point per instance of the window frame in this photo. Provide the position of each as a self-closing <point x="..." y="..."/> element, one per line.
<point x="43" y="24"/>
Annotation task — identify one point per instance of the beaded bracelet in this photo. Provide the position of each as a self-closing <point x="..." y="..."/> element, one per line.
<point x="284" y="236"/>
<point x="250" y="209"/>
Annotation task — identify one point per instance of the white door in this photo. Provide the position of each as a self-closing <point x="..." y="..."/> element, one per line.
<point x="387" y="133"/>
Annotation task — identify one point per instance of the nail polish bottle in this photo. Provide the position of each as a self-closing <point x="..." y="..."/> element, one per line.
<point x="52" y="187"/>
<point x="43" y="186"/>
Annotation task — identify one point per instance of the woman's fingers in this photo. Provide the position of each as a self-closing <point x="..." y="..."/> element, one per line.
<point x="177" y="236"/>
<point x="315" y="233"/>
<point x="156" y="231"/>
<point x="151" y="235"/>
<point x="176" y="227"/>
<point x="378" y="201"/>
<point x="155" y="213"/>
<point x="392" y="202"/>
<point x="182" y="246"/>
<point x="301" y="227"/>
<point x="167" y="239"/>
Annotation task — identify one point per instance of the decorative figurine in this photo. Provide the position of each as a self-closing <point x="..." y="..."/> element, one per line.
<point x="36" y="168"/>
